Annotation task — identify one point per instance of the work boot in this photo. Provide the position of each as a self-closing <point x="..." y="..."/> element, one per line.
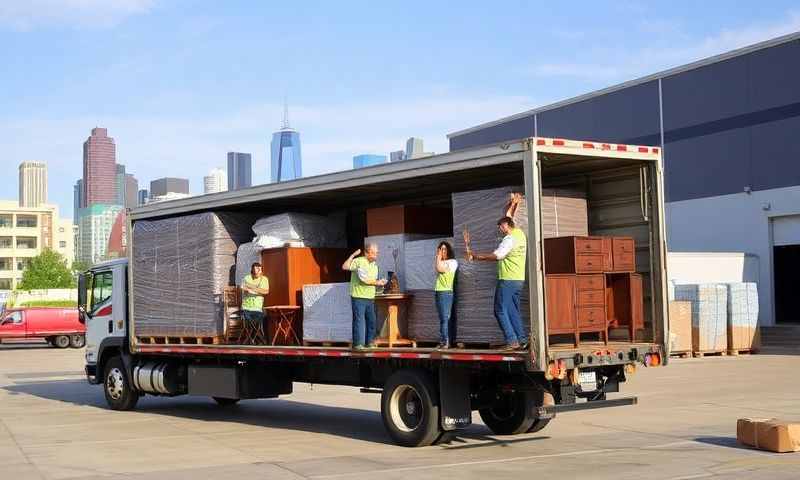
<point x="510" y="347"/>
<point x="443" y="346"/>
<point x="359" y="348"/>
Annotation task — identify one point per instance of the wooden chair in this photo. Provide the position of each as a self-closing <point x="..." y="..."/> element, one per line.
<point x="232" y="305"/>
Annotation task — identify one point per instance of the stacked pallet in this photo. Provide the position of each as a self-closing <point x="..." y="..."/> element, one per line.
<point x="680" y="328"/>
<point x="743" y="332"/>
<point x="709" y="316"/>
<point x="423" y="319"/>
<point x="477" y="212"/>
<point x="180" y="268"/>
<point x="327" y="313"/>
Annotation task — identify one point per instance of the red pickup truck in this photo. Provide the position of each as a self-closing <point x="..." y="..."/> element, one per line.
<point x="61" y="327"/>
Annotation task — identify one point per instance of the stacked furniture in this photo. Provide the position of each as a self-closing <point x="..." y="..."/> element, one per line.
<point x="591" y="284"/>
<point x="680" y="327"/>
<point x="180" y="270"/>
<point x="327" y="313"/>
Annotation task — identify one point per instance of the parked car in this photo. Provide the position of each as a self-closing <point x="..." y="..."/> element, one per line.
<point x="61" y="327"/>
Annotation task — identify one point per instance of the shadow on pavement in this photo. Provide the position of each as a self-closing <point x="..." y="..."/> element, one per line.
<point x="729" y="442"/>
<point x="358" y="424"/>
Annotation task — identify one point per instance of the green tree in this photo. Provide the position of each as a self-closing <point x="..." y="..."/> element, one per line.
<point x="47" y="270"/>
<point x="79" y="266"/>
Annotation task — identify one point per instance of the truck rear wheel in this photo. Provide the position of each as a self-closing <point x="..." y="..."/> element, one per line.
<point x="77" y="341"/>
<point x="510" y="414"/>
<point x="61" y="341"/>
<point x="117" y="387"/>
<point x="539" y="424"/>
<point x="410" y="408"/>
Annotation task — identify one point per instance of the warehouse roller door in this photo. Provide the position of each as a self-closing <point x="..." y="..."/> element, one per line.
<point x="786" y="265"/>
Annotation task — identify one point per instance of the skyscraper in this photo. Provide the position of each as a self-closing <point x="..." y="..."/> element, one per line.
<point x="131" y="189"/>
<point x="32" y="184"/>
<point x="215" y="181"/>
<point x="94" y="230"/>
<point x="143" y="197"/>
<point x="360" y="161"/>
<point x="99" y="169"/>
<point x="414" y="149"/>
<point x="163" y="186"/>
<point x="77" y="200"/>
<point x="397" y="156"/>
<point x="285" y="158"/>
<point x="239" y="170"/>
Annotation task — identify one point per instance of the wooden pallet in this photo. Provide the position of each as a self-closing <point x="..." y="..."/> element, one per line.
<point x="181" y="340"/>
<point x="717" y="353"/>
<point x="309" y="343"/>
<point x="735" y="352"/>
<point x="682" y="354"/>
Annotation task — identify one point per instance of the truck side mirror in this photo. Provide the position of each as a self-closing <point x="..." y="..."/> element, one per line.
<point x="83" y="281"/>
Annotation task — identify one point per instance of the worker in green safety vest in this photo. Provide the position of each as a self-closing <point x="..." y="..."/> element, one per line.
<point x="363" y="280"/>
<point x="254" y="287"/>
<point x="510" y="256"/>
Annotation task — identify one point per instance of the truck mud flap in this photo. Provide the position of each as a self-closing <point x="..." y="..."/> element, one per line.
<point x="549" y="411"/>
<point x="454" y="403"/>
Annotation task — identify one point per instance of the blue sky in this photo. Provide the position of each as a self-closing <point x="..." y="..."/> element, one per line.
<point x="179" y="83"/>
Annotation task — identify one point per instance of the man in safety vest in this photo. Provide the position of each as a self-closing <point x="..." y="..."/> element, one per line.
<point x="510" y="258"/>
<point x="363" y="280"/>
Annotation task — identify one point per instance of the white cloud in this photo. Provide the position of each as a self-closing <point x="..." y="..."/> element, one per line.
<point x="683" y="48"/>
<point x="29" y="14"/>
<point x="184" y="146"/>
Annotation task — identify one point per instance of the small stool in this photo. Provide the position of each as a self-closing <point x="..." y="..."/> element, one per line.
<point x="282" y="325"/>
<point x="252" y="332"/>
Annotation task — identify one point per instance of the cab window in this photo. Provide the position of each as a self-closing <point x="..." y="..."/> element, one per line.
<point x="101" y="289"/>
<point x="13" y="318"/>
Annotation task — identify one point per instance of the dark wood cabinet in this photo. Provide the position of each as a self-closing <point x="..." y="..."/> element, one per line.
<point x="589" y="254"/>
<point x="573" y="255"/>
<point x="625" y="302"/>
<point x="289" y="268"/>
<point x="575" y="304"/>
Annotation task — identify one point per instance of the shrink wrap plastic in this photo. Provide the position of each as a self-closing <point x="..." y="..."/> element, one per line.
<point x="327" y="313"/>
<point x="709" y="315"/>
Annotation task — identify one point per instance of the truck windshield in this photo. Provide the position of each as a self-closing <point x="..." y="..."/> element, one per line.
<point x="101" y="290"/>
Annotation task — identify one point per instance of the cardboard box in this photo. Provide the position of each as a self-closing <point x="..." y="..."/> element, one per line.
<point x="769" y="434"/>
<point x="680" y="325"/>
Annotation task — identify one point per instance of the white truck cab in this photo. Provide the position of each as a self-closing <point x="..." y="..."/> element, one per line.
<point x="103" y="303"/>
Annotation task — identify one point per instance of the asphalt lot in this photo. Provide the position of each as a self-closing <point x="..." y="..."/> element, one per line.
<point x="54" y="425"/>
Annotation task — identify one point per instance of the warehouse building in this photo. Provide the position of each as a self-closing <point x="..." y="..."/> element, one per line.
<point x="729" y="127"/>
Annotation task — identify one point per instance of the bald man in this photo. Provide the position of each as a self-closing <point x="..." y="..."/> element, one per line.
<point x="363" y="280"/>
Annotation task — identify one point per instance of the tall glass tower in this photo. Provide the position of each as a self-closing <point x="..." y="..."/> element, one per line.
<point x="286" y="162"/>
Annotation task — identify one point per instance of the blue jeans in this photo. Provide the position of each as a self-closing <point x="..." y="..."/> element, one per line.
<point x="444" y="306"/>
<point x="506" y="310"/>
<point x="363" y="321"/>
<point x="253" y="315"/>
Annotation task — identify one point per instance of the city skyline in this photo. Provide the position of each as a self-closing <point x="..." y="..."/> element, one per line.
<point x="172" y="115"/>
<point x="286" y="159"/>
<point x="240" y="170"/>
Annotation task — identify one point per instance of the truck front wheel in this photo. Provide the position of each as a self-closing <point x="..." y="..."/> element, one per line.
<point x="410" y="408"/>
<point x="117" y="387"/>
<point x="77" y="341"/>
<point x="509" y="414"/>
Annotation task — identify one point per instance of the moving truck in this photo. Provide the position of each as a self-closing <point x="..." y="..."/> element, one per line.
<point x="424" y="392"/>
<point x="61" y="327"/>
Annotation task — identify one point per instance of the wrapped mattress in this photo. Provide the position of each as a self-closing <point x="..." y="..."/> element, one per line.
<point x="327" y="313"/>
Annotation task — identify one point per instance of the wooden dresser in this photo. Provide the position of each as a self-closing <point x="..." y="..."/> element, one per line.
<point x="289" y="268"/>
<point x="591" y="284"/>
<point x="576" y="304"/>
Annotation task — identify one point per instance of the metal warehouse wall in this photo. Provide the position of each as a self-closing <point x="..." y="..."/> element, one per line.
<point x="726" y="126"/>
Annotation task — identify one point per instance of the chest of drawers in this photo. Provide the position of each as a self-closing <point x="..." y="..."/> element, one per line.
<point x="585" y="255"/>
<point x="575" y="304"/>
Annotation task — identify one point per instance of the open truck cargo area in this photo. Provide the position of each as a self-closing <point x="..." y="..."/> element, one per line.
<point x="591" y="320"/>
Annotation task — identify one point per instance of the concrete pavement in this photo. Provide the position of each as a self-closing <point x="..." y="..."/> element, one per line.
<point x="54" y="425"/>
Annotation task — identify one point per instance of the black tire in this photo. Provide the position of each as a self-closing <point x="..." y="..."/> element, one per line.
<point x="225" y="402"/>
<point x="77" y="341"/>
<point x="510" y="414"/>
<point x="410" y="408"/>
<point x="61" y="341"/>
<point x="117" y="387"/>
<point x="539" y="424"/>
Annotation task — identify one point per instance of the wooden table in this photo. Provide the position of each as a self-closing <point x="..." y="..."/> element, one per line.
<point x="390" y="332"/>
<point x="283" y="324"/>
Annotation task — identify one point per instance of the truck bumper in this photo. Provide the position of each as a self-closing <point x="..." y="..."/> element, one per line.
<point x="550" y="411"/>
<point x="91" y="374"/>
